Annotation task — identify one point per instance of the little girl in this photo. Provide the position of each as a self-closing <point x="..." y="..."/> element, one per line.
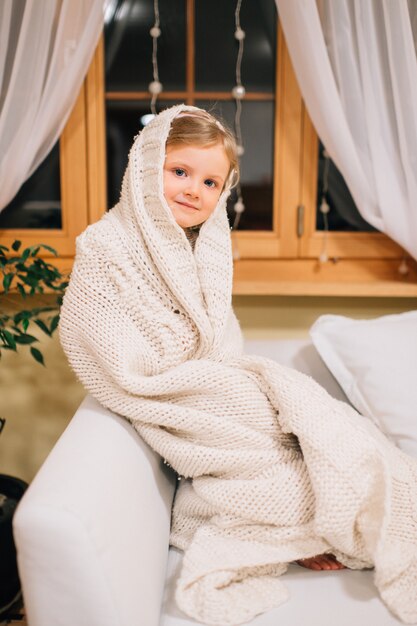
<point x="201" y="160"/>
<point x="271" y="469"/>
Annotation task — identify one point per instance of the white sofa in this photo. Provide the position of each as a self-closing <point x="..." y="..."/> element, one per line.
<point x="92" y="532"/>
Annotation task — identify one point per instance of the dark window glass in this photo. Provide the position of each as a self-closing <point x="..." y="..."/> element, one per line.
<point x="38" y="203"/>
<point x="343" y="214"/>
<point x="256" y="164"/>
<point x="217" y="49"/>
<point x="128" y="45"/>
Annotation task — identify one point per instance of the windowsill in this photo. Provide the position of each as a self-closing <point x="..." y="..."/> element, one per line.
<point x="307" y="277"/>
<point x="346" y="277"/>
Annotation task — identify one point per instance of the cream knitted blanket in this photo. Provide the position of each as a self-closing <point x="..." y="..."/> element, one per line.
<point x="273" y="469"/>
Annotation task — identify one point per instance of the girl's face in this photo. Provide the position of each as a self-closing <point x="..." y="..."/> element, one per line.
<point x="194" y="177"/>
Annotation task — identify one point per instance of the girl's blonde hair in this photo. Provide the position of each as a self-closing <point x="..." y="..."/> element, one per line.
<point x="200" y="128"/>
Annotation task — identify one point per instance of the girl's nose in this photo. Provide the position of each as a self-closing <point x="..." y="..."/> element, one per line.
<point x="192" y="188"/>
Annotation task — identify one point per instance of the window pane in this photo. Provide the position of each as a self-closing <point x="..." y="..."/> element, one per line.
<point x="217" y="48"/>
<point x="38" y="203"/>
<point x="343" y="214"/>
<point x="128" y="44"/>
<point x="257" y="123"/>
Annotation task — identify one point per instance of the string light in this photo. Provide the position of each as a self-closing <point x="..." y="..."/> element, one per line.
<point x="238" y="93"/>
<point x="324" y="207"/>
<point x="155" y="87"/>
<point x="403" y="268"/>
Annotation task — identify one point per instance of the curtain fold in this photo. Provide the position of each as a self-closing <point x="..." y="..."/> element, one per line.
<point x="45" y="50"/>
<point x="356" y="66"/>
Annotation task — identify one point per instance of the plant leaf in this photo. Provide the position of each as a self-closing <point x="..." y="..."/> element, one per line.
<point x="43" y="327"/>
<point x="25" y="254"/>
<point x="37" y="355"/>
<point x="10" y="339"/>
<point x="25" y="339"/>
<point x="54" y="252"/>
<point x="54" y="323"/>
<point x="16" y="245"/>
<point x="29" y="280"/>
<point x="21" y="290"/>
<point x="7" y="281"/>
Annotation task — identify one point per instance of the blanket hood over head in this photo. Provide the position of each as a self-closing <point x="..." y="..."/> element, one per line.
<point x="202" y="282"/>
<point x="273" y="469"/>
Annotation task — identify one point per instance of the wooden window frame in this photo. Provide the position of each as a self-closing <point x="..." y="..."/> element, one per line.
<point x="281" y="261"/>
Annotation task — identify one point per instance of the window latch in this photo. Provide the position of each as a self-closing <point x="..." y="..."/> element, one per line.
<point x="300" y="220"/>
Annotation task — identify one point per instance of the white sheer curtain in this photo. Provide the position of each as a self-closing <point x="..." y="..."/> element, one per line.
<point x="356" y="65"/>
<point x="45" y="49"/>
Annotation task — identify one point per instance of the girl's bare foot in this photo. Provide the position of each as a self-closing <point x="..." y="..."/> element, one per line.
<point x="321" y="562"/>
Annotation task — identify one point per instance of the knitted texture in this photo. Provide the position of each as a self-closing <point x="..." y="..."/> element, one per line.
<point x="273" y="469"/>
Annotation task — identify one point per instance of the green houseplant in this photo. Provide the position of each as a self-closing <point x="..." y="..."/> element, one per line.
<point x="28" y="275"/>
<point x="24" y="276"/>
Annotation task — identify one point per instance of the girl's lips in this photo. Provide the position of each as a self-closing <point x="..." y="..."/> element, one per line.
<point x="187" y="206"/>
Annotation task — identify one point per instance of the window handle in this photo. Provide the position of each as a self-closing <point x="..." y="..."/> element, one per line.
<point x="300" y="220"/>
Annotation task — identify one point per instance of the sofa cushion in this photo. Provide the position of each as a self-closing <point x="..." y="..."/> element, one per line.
<point x="344" y="597"/>
<point x="375" y="362"/>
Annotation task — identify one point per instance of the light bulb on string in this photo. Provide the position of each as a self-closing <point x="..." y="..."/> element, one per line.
<point x="238" y="92"/>
<point x="239" y="34"/>
<point x="403" y="268"/>
<point x="155" y="87"/>
<point x="155" y="32"/>
<point x="324" y="207"/>
<point x="239" y="206"/>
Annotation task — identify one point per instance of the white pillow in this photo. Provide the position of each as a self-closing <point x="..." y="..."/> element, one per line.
<point x="375" y="363"/>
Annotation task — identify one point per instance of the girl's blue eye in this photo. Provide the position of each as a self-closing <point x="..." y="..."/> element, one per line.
<point x="179" y="171"/>
<point x="210" y="183"/>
